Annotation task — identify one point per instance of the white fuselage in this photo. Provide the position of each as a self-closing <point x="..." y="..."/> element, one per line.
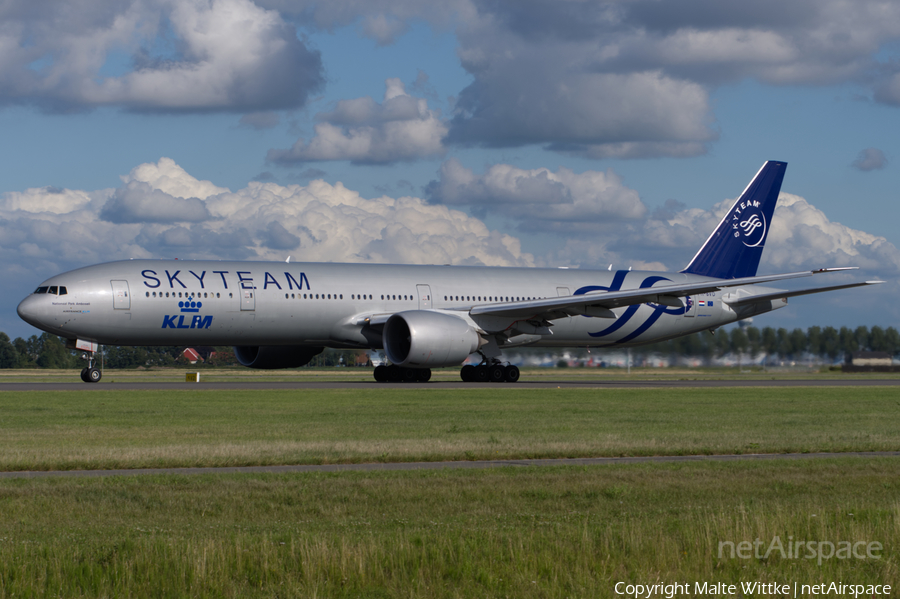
<point x="172" y="302"/>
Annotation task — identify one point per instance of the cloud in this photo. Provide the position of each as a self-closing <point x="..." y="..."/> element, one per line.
<point x="162" y="211"/>
<point x="138" y="202"/>
<point x="802" y="237"/>
<point x="169" y="178"/>
<point x="383" y="29"/>
<point x="154" y="56"/>
<point x="401" y="128"/>
<point x="630" y="79"/>
<point x="870" y="159"/>
<point x="539" y="199"/>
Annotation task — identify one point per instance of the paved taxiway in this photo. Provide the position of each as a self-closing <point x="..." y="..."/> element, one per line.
<point x="395" y="466"/>
<point x="522" y="384"/>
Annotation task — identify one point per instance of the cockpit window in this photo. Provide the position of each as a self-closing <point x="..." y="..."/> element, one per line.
<point x="41" y="290"/>
<point x="62" y="291"/>
<point x="54" y="290"/>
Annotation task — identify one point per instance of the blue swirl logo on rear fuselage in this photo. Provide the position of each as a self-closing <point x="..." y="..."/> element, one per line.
<point x="616" y="285"/>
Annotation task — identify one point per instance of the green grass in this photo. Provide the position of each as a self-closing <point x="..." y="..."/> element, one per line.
<point x="133" y="429"/>
<point x="511" y="532"/>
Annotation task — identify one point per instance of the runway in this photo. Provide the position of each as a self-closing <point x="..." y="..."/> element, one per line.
<point x="467" y="465"/>
<point x="371" y="385"/>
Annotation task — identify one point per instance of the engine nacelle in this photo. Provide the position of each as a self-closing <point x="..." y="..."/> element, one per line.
<point x="270" y="357"/>
<point x="424" y="339"/>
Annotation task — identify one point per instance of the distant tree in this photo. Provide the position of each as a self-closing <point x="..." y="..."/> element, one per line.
<point x="831" y="342"/>
<point x="9" y="357"/>
<point x="798" y="342"/>
<point x="878" y="339"/>
<point x="769" y="341"/>
<point x="814" y="341"/>
<point x="861" y="334"/>
<point x="739" y="341"/>
<point x="25" y="359"/>
<point x="721" y="343"/>
<point x="892" y="340"/>
<point x="754" y="339"/>
<point x="125" y="357"/>
<point x="848" y="341"/>
<point x="783" y="343"/>
<point x="52" y="353"/>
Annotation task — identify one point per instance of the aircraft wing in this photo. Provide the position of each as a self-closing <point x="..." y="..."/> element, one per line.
<point x="600" y="303"/>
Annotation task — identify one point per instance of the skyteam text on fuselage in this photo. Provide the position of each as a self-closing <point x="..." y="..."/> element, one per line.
<point x="282" y="314"/>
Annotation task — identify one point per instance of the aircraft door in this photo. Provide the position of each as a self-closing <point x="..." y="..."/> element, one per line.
<point x="121" y="297"/>
<point x="424" y="296"/>
<point x="248" y="299"/>
<point x="690" y="305"/>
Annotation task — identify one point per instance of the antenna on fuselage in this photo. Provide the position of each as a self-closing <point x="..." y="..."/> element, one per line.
<point x="288" y="260"/>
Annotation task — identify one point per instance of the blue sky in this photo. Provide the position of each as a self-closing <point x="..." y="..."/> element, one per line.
<point x="509" y="133"/>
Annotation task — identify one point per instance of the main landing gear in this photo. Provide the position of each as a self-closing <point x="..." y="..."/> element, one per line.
<point x="489" y="373"/>
<point x="400" y="374"/>
<point x="90" y="374"/>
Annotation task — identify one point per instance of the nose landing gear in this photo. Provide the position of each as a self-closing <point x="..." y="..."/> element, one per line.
<point x="90" y="374"/>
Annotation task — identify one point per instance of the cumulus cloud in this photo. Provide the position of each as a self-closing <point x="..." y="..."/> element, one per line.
<point x="801" y="237"/>
<point x="185" y="55"/>
<point x="539" y="199"/>
<point x="162" y="211"/>
<point x="401" y="128"/>
<point x="138" y="202"/>
<point x="870" y="159"/>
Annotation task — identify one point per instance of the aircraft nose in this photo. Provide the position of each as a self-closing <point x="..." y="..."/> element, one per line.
<point x="29" y="311"/>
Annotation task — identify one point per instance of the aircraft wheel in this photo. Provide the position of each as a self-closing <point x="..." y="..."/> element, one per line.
<point x="512" y="373"/>
<point x="94" y="375"/>
<point x="84" y="375"/>
<point x="410" y="375"/>
<point x="395" y="375"/>
<point x="496" y="373"/>
<point x="381" y="374"/>
<point x="481" y="374"/>
<point x="467" y="373"/>
<point x="423" y="375"/>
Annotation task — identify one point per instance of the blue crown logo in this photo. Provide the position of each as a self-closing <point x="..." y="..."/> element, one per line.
<point x="190" y="306"/>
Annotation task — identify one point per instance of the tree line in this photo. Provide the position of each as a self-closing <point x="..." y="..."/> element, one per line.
<point x="49" y="351"/>
<point x="822" y="342"/>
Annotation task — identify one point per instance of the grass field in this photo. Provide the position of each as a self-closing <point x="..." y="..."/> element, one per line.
<point x="505" y="532"/>
<point x="535" y="532"/>
<point x="113" y="429"/>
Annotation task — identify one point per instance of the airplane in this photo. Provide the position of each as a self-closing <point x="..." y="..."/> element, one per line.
<point x="282" y="314"/>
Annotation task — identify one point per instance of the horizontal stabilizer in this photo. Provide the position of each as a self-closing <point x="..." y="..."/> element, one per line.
<point x="752" y="299"/>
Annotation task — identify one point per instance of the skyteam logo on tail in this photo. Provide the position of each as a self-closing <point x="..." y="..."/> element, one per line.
<point x="196" y="321"/>
<point x="749" y="223"/>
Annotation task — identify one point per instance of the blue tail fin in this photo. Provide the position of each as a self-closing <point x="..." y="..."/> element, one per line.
<point x="735" y="247"/>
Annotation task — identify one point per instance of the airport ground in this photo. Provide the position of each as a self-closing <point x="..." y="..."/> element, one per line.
<point x="562" y="531"/>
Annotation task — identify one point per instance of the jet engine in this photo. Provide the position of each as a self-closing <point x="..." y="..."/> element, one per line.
<point x="423" y="339"/>
<point x="270" y="357"/>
